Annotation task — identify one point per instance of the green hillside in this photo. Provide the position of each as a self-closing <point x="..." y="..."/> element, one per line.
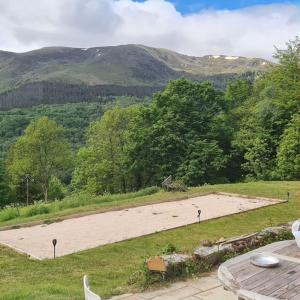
<point x="74" y="117"/>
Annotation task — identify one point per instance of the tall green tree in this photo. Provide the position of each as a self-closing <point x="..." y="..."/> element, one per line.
<point x="268" y="112"/>
<point x="285" y="78"/>
<point x="4" y="187"/>
<point x="288" y="156"/>
<point x="185" y="118"/>
<point x="238" y="92"/>
<point x="102" y="164"/>
<point x="202" y="164"/>
<point x="42" y="153"/>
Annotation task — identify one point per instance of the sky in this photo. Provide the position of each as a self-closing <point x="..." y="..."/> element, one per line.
<point x="192" y="6"/>
<point x="245" y="28"/>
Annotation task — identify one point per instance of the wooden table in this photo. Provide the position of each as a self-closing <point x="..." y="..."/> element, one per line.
<point x="250" y="282"/>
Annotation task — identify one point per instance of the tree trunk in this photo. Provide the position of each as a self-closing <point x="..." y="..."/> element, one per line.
<point x="138" y="179"/>
<point x="46" y="194"/>
<point x="124" y="184"/>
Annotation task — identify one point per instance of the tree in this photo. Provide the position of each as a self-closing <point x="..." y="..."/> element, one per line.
<point x="185" y="117"/>
<point x="288" y="156"/>
<point x="42" y="153"/>
<point x="202" y="164"/>
<point x="259" y="159"/>
<point x="267" y="113"/>
<point x="102" y="164"/>
<point x="4" y="187"/>
<point x="238" y="92"/>
<point x="285" y="78"/>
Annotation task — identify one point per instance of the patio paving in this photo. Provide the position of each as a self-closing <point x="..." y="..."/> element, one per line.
<point x="203" y="288"/>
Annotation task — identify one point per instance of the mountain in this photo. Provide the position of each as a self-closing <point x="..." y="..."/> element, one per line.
<point x="64" y="74"/>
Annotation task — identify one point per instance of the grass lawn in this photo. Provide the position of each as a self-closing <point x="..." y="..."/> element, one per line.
<point x="110" y="267"/>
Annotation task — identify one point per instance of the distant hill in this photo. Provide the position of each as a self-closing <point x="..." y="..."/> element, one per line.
<point x="63" y="74"/>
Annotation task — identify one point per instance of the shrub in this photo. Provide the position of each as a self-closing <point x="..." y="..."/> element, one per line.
<point x="168" y="249"/>
<point x="146" y="191"/>
<point x="37" y="210"/>
<point x="9" y="214"/>
<point x="57" y="191"/>
<point x="177" y="186"/>
<point x="142" y="277"/>
<point x="77" y="200"/>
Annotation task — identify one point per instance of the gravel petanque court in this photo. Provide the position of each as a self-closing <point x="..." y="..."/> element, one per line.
<point x="90" y="231"/>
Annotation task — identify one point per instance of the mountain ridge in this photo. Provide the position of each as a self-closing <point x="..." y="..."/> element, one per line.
<point x="121" y="66"/>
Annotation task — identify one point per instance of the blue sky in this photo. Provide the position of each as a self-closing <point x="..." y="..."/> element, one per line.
<point x="191" y="6"/>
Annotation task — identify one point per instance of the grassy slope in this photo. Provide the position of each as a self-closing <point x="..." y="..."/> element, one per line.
<point x="109" y="267"/>
<point x="205" y="65"/>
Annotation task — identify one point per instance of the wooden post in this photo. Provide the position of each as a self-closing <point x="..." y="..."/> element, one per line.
<point x="27" y="190"/>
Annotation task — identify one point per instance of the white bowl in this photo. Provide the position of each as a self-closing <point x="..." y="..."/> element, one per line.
<point x="265" y="261"/>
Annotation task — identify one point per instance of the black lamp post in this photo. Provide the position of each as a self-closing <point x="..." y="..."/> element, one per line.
<point x="199" y="214"/>
<point x="54" y="242"/>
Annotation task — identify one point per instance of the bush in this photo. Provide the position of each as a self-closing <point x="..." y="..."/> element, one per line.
<point x="168" y="249"/>
<point x="57" y="191"/>
<point x="37" y="210"/>
<point x="177" y="186"/>
<point x="146" y="191"/>
<point x="9" y="214"/>
<point x="142" y="277"/>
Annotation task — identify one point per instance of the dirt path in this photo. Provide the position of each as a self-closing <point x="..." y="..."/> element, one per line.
<point x="87" y="232"/>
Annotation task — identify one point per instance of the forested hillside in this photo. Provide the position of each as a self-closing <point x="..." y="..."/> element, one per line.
<point x="39" y="93"/>
<point x="190" y="130"/>
<point x="74" y="117"/>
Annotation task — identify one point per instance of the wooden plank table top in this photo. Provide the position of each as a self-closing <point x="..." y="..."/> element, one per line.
<point x="250" y="282"/>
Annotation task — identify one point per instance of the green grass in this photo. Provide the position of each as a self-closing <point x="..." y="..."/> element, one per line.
<point x="110" y="267"/>
<point x="77" y="204"/>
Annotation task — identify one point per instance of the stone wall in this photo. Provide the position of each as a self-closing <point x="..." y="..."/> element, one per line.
<point x="210" y="254"/>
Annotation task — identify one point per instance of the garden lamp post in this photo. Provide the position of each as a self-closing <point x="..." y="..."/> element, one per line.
<point x="199" y="214"/>
<point x="54" y="242"/>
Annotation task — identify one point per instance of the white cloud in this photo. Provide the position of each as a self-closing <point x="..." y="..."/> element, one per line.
<point x="253" y="31"/>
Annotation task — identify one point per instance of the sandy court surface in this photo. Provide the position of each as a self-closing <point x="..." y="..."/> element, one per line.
<point x="87" y="232"/>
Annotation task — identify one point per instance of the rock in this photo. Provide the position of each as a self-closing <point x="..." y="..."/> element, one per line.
<point x="205" y="252"/>
<point x="226" y="247"/>
<point x="211" y="255"/>
<point x="175" y="258"/>
<point x="273" y="230"/>
<point x="254" y="242"/>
